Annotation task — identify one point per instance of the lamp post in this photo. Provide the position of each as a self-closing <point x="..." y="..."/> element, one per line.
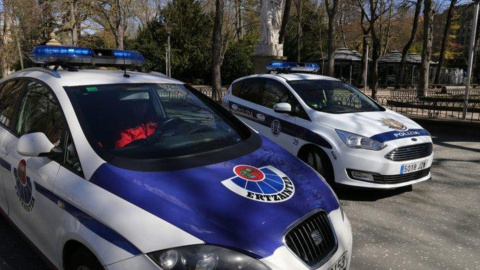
<point x="168" y="55"/>
<point x="365" y="77"/>
<point x="470" y="57"/>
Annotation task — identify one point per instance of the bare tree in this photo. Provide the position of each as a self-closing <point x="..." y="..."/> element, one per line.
<point x="113" y="15"/>
<point x="299" y="29"/>
<point x="217" y="49"/>
<point x="331" y="8"/>
<point x="5" y="38"/>
<point x="406" y="48"/>
<point x="443" y="47"/>
<point x="286" y="15"/>
<point x="366" y="32"/>
<point x="428" y="12"/>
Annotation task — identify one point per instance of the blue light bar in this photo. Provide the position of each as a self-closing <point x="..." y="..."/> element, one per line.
<point x="293" y="67"/>
<point x="65" y="55"/>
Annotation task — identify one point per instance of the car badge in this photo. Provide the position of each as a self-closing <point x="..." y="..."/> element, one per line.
<point x="316" y="237"/>
<point x="266" y="184"/>
<point x="276" y="127"/>
<point x="393" y="124"/>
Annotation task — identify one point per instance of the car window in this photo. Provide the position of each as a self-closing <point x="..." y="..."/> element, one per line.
<point x="274" y="92"/>
<point x="251" y="90"/>
<point x="332" y="96"/>
<point x="40" y="112"/>
<point x="236" y="87"/>
<point x="9" y="94"/>
<point x="71" y="159"/>
<point x="149" y="121"/>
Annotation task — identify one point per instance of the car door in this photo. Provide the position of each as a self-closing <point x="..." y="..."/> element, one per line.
<point x="282" y="128"/>
<point x="9" y="97"/>
<point x="30" y="180"/>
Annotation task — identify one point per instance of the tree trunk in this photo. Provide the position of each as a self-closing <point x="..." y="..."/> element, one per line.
<point x="73" y="21"/>
<point x="448" y="23"/>
<point x="428" y="13"/>
<point x="375" y="56"/>
<point x="5" y="33"/>
<point x="299" y="30"/>
<point x="364" y="59"/>
<point x="331" y="12"/>
<point x="238" y="20"/>
<point x="403" y="62"/>
<point x="286" y="15"/>
<point x="217" y="50"/>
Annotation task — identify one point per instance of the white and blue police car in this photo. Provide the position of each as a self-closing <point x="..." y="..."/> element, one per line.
<point x="347" y="137"/>
<point x="107" y="169"/>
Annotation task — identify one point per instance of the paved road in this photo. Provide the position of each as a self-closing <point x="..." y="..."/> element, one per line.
<point x="434" y="226"/>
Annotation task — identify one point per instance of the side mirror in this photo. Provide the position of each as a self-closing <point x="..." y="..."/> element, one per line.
<point x="34" y="145"/>
<point x="282" y="107"/>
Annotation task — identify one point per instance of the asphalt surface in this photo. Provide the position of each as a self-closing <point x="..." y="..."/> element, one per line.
<point x="434" y="226"/>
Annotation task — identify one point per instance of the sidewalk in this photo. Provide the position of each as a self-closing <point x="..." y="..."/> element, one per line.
<point x="453" y="126"/>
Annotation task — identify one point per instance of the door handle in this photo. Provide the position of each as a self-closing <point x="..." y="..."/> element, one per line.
<point x="4" y="151"/>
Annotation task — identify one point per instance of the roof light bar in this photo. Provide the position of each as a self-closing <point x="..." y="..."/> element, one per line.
<point x="293" y="67"/>
<point x="65" y="55"/>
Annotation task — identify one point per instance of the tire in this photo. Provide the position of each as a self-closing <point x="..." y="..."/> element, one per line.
<point x="83" y="259"/>
<point x="321" y="163"/>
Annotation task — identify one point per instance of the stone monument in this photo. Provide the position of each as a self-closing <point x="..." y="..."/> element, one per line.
<point x="271" y="14"/>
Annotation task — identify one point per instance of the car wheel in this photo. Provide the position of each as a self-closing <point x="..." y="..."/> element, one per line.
<point x="83" y="259"/>
<point x="320" y="162"/>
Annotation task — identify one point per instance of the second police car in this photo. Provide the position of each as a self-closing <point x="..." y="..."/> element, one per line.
<point x="128" y="170"/>
<point x="347" y="137"/>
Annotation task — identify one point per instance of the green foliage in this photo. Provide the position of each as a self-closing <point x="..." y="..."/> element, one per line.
<point x="238" y="59"/>
<point x="191" y="31"/>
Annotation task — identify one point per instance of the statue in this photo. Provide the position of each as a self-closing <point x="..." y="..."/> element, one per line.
<point x="271" y="21"/>
<point x="271" y="15"/>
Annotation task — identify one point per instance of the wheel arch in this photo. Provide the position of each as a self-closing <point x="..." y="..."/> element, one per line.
<point x="306" y="148"/>
<point x="70" y="247"/>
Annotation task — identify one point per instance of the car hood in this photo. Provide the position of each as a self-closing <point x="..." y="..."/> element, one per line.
<point x="382" y="126"/>
<point x="217" y="205"/>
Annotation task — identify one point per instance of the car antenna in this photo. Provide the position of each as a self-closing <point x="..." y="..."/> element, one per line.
<point x="125" y="75"/>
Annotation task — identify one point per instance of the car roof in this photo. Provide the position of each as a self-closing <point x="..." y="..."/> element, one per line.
<point x="291" y="76"/>
<point x="94" y="76"/>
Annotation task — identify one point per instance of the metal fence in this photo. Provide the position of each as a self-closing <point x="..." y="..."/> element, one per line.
<point x="445" y="103"/>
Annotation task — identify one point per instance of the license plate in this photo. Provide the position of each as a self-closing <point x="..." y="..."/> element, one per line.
<point x="413" y="167"/>
<point x="340" y="264"/>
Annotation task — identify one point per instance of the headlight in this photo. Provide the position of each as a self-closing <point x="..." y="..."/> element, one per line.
<point x="205" y="257"/>
<point x="357" y="141"/>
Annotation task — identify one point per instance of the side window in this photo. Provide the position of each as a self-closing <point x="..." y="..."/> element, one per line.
<point x="40" y="112"/>
<point x="274" y="92"/>
<point x="71" y="157"/>
<point x="9" y="94"/>
<point x="250" y="90"/>
<point x="236" y="87"/>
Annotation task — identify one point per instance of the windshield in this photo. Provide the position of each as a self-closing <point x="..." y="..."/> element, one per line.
<point x="333" y="96"/>
<point x="150" y="121"/>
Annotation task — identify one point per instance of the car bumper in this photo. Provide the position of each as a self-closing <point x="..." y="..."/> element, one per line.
<point x="386" y="174"/>
<point x="281" y="259"/>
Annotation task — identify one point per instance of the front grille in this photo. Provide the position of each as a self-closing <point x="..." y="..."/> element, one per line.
<point x="410" y="152"/>
<point x="313" y="240"/>
<point x="400" y="178"/>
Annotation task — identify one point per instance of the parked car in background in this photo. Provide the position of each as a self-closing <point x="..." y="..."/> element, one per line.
<point x="347" y="137"/>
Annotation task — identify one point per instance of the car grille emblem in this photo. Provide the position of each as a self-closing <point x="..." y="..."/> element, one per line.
<point x="316" y="237"/>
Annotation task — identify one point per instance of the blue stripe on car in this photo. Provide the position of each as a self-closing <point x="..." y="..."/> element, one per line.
<point x="91" y="223"/>
<point x="5" y="164"/>
<point x="396" y="135"/>
<point x="288" y="128"/>
<point x="196" y="201"/>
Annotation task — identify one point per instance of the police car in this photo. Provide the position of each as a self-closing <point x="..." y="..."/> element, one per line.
<point x="346" y="136"/>
<point x="107" y="169"/>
